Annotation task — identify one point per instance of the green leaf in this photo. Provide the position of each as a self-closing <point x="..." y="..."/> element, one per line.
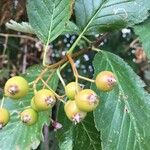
<point x="48" y="17"/>
<point x="144" y="34"/>
<point x="97" y="16"/>
<point x="82" y="136"/>
<point x="123" y="116"/>
<point x="21" y="27"/>
<point x="16" y="135"/>
<point x="4" y="73"/>
<point x="71" y="28"/>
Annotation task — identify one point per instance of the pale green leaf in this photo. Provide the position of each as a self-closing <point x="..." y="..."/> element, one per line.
<point x="123" y="116"/>
<point x="71" y="28"/>
<point x="21" y="27"/>
<point x="48" y="17"/>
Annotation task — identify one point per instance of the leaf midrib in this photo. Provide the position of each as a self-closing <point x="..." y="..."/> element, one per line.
<point x="128" y="106"/>
<point x="95" y="14"/>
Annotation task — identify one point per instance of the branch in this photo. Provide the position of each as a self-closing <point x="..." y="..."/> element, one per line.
<point x="62" y="61"/>
<point x="80" y="52"/>
<point x="19" y="36"/>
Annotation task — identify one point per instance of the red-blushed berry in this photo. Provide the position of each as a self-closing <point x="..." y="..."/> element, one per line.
<point x="86" y="100"/>
<point x="105" y="81"/>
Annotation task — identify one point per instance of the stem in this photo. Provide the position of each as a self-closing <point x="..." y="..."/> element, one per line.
<point x="64" y="65"/>
<point x="62" y="100"/>
<point x="19" y="36"/>
<point x="38" y="78"/>
<point x="87" y="40"/>
<point x="49" y="35"/>
<point x="60" y="77"/>
<point x="75" y="72"/>
<point x="5" y="47"/>
<point x="49" y="78"/>
<point x="85" y="78"/>
<point x="77" y="40"/>
<point x="96" y="49"/>
<point x="64" y="60"/>
<point x="44" y="55"/>
<point x="31" y="83"/>
<point x="84" y="30"/>
<point x="49" y="88"/>
<point x="2" y="102"/>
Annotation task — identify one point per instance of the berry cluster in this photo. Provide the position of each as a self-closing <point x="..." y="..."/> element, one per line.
<point x="80" y="101"/>
<point x="16" y="88"/>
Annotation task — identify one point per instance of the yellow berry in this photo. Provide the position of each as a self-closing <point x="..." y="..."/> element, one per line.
<point x="86" y="100"/>
<point x="33" y="106"/>
<point x="71" y="89"/>
<point x="29" y="116"/>
<point x="105" y="81"/>
<point x="44" y="99"/>
<point x="4" y="117"/>
<point x="73" y="113"/>
<point x="16" y="87"/>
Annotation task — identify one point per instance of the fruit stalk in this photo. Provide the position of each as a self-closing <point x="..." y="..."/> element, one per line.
<point x="2" y="102"/>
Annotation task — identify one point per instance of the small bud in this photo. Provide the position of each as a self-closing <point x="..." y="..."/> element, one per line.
<point x="56" y="125"/>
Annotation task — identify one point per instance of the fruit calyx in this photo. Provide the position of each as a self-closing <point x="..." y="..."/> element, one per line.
<point x="29" y="116"/>
<point x="77" y="118"/>
<point x="13" y="89"/>
<point x="26" y="118"/>
<point x="49" y="101"/>
<point x="92" y="99"/>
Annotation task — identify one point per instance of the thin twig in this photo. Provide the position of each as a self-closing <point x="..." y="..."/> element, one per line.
<point x="24" y="64"/>
<point x="49" y="78"/>
<point x="38" y="78"/>
<point x="80" y="52"/>
<point x="60" y="77"/>
<point x="2" y="102"/>
<point x="4" y="50"/>
<point x="62" y="61"/>
<point x="19" y="36"/>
